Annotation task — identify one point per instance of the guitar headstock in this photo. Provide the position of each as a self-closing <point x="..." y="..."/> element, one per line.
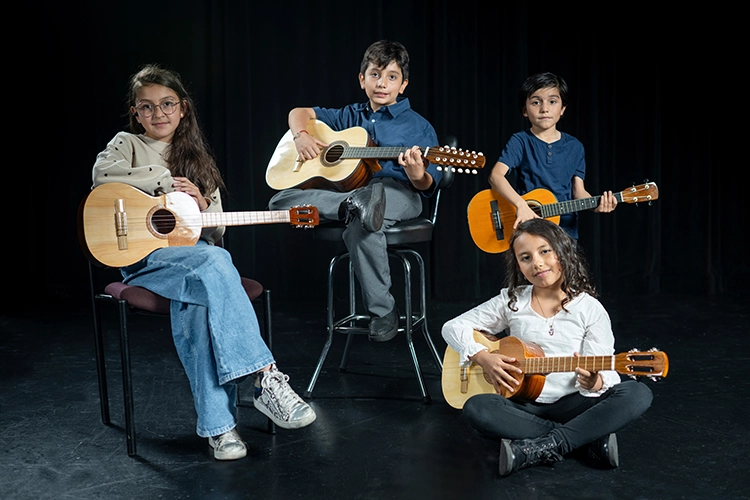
<point x="458" y="160"/>
<point x="653" y="364"/>
<point x="642" y="193"/>
<point x="304" y="217"/>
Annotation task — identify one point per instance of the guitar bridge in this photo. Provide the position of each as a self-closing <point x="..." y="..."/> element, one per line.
<point x="121" y="224"/>
<point x="497" y="222"/>
<point x="464" y="380"/>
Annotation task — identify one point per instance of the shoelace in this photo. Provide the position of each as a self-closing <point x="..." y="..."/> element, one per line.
<point x="544" y="453"/>
<point x="287" y="398"/>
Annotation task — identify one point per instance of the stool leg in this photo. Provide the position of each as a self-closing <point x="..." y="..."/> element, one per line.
<point x="352" y="313"/>
<point x="269" y="342"/>
<point x="101" y="368"/>
<point x="329" y="340"/>
<point x="423" y="301"/>
<point x="408" y="326"/>
<point x="127" y="379"/>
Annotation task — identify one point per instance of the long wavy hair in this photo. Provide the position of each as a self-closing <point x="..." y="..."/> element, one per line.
<point x="575" y="271"/>
<point x="190" y="155"/>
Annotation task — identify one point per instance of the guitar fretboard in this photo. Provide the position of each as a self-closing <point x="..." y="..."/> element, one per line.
<point x="570" y="206"/>
<point x="374" y="152"/>
<point x="569" y="364"/>
<point x="213" y="219"/>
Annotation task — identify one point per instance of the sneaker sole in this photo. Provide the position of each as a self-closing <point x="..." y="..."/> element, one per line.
<point x="505" y="461"/>
<point x="283" y="423"/>
<point x="227" y="456"/>
<point x="377" y="200"/>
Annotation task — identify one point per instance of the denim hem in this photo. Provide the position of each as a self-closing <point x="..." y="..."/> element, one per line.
<point x="245" y="371"/>
<point x="217" y="431"/>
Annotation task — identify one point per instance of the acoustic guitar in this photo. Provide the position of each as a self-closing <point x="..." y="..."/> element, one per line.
<point x="350" y="160"/>
<point x="461" y="383"/>
<point x="491" y="217"/>
<point x="120" y="224"/>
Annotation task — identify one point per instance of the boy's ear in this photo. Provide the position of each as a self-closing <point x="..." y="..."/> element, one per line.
<point x="403" y="86"/>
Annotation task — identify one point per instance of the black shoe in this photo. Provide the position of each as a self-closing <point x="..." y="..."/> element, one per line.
<point x="522" y="453"/>
<point x="368" y="203"/>
<point x="604" y="451"/>
<point x="384" y="328"/>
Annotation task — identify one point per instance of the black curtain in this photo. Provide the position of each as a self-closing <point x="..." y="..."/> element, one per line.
<point x="640" y="88"/>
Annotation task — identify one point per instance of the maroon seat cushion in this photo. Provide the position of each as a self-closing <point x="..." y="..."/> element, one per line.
<point x="147" y="300"/>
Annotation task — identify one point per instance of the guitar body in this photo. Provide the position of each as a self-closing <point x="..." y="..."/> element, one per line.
<point x="119" y="225"/>
<point x="459" y="384"/>
<point x="491" y="217"/>
<point x="153" y="222"/>
<point x="481" y="221"/>
<point x="328" y="170"/>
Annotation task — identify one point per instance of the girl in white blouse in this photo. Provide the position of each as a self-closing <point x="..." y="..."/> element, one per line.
<point x="550" y="301"/>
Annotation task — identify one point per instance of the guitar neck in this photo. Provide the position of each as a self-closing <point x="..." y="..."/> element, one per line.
<point x="214" y="219"/>
<point x="543" y="365"/>
<point x="570" y="206"/>
<point x="385" y="153"/>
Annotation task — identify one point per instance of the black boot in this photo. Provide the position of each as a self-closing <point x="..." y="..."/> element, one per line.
<point x="522" y="453"/>
<point x="368" y="203"/>
<point x="604" y="451"/>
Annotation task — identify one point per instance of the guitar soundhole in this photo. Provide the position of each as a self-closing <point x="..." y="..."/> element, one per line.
<point x="333" y="154"/>
<point x="163" y="221"/>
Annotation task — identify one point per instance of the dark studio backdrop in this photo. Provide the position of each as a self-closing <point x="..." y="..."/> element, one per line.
<point x="646" y="90"/>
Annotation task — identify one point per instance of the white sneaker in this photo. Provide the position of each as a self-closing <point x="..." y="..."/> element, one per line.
<point x="228" y="446"/>
<point x="278" y="401"/>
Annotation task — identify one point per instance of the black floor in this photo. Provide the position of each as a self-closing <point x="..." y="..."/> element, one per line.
<point x="373" y="438"/>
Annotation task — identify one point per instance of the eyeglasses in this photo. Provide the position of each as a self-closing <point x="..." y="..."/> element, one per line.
<point x="167" y="107"/>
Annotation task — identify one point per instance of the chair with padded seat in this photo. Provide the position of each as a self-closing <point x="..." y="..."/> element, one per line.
<point x="129" y="300"/>
<point x="400" y="239"/>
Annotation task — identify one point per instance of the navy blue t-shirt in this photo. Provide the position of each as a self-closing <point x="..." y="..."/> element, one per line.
<point x="549" y="166"/>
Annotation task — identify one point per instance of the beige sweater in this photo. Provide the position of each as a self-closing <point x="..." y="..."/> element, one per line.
<point x="138" y="160"/>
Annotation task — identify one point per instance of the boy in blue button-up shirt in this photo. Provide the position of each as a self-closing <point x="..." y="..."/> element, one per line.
<point x="394" y="193"/>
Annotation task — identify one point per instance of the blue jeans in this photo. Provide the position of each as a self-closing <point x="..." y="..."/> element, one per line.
<point x="214" y="326"/>
<point x="573" y="420"/>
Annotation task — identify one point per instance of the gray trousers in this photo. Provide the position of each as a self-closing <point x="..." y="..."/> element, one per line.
<point x="368" y="251"/>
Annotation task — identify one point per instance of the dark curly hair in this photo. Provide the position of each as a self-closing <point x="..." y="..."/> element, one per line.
<point x="575" y="270"/>
<point x="189" y="155"/>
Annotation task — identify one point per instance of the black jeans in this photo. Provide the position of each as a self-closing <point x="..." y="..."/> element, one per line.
<point x="573" y="421"/>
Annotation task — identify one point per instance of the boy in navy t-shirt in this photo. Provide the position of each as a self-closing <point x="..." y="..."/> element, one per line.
<point x="543" y="156"/>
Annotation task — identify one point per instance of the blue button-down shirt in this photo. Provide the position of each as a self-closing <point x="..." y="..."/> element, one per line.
<point x="394" y="125"/>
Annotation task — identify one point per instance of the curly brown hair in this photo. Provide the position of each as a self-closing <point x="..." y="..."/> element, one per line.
<point x="575" y="271"/>
<point x="189" y="155"/>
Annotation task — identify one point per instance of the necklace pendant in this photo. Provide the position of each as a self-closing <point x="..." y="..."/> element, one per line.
<point x="551" y="331"/>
